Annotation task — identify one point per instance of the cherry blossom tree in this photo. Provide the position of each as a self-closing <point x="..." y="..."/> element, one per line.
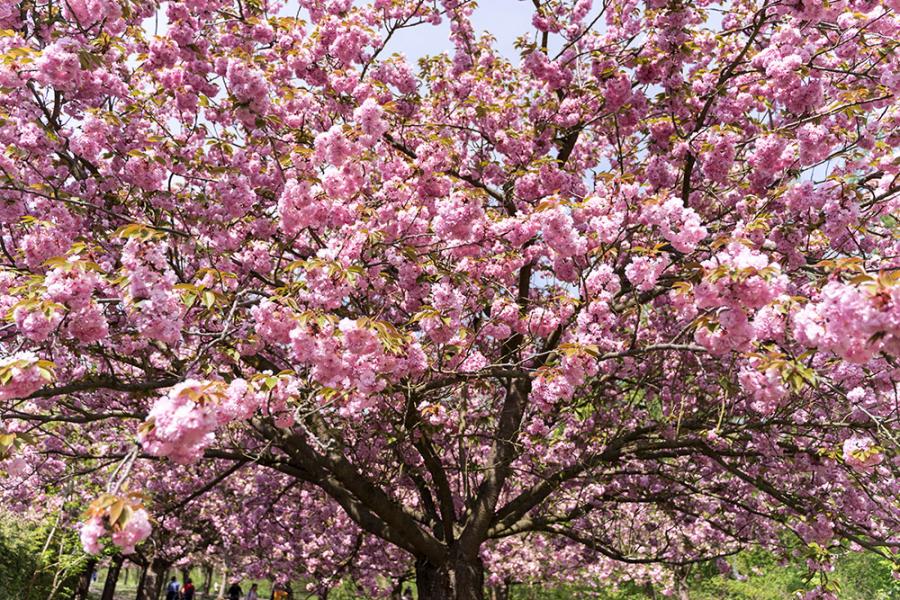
<point x="632" y="294"/>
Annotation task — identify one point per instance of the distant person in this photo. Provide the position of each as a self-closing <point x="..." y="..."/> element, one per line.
<point x="172" y="590"/>
<point x="278" y="593"/>
<point x="252" y="594"/>
<point x="407" y="595"/>
<point x="187" y="592"/>
<point x="235" y="591"/>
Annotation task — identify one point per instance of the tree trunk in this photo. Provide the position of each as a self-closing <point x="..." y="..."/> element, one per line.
<point x="112" y="577"/>
<point x="84" y="582"/>
<point x="457" y="579"/>
<point x="159" y="570"/>
<point x="224" y="582"/>
<point x="681" y="585"/>
<point x="153" y="579"/>
<point x="142" y="582"/>
<point x="207" y="580"/>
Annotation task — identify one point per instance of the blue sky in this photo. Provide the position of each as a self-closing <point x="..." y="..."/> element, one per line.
<point x="505" y="19"/>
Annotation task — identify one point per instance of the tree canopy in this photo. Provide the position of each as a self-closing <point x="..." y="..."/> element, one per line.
<point x="629" y="299"/>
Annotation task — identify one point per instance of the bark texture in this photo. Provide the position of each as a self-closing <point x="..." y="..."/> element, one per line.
<point x="455" y="579"/>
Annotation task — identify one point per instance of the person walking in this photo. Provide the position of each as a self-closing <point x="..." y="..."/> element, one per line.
<point x="252" y="594"/>
<point x="278" y="592"/>
<point x="172" y="589"/>
<point x="188" y="591"/>
<point x="235" y="592"/>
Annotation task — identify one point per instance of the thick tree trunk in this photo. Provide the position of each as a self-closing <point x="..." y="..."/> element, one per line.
<point x="141" y="593"/>
<point x="112" y="577"/>
<point x="454" y="580"/>
<point x="84" y="581"/>
<point x="159" y="569"/>
<point x="153" y="579"/>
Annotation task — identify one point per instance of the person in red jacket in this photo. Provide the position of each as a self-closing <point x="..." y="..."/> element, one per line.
<point x="187" y="591"/>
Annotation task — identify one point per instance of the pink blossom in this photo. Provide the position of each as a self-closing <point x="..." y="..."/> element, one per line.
<point x="333" y="147"/>
<point x="644" y="271"/>
<point x="716" y="162"/>
<point x="739" y="277"/>
<point x="154" y="306"/>
<point x="248" y="84"/>
<point x="37" y="322"/>
<point x="239" y="402"/>
<point x="59" y="65"/>
<point x="91" y="532"/>
<point x="90" y="12"/>
<point x="766" y="388"/>
<point x="851" y="322"/>
<point x="458" y="217"/>
<point x="135" y="531"/>
<point x="183" y="422"/>
<point x="24" y="376"/>
<point x="820" y="530"/>
<point x="814" y="144"/>
<point x="769" y="157"/>
<point x="70" y="286"/>
<point x="861" y="453"/>
<point x="680" y="225"/>
<point x="560" y="233"/>
<point x="300" y="207"/>
<point x="273" y="322"/>
<point x="617" y="92"/>
<point x="88" y="325"/>
<point x="602" y="282"/>
<point x="660" y="172"/>
<point x="370" y="117"/>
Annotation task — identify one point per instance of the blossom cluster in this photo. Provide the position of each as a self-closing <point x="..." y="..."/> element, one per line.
<point x="854" y="322"/>
<point x="182" y="423"/>
<point x="136" y="529"/>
